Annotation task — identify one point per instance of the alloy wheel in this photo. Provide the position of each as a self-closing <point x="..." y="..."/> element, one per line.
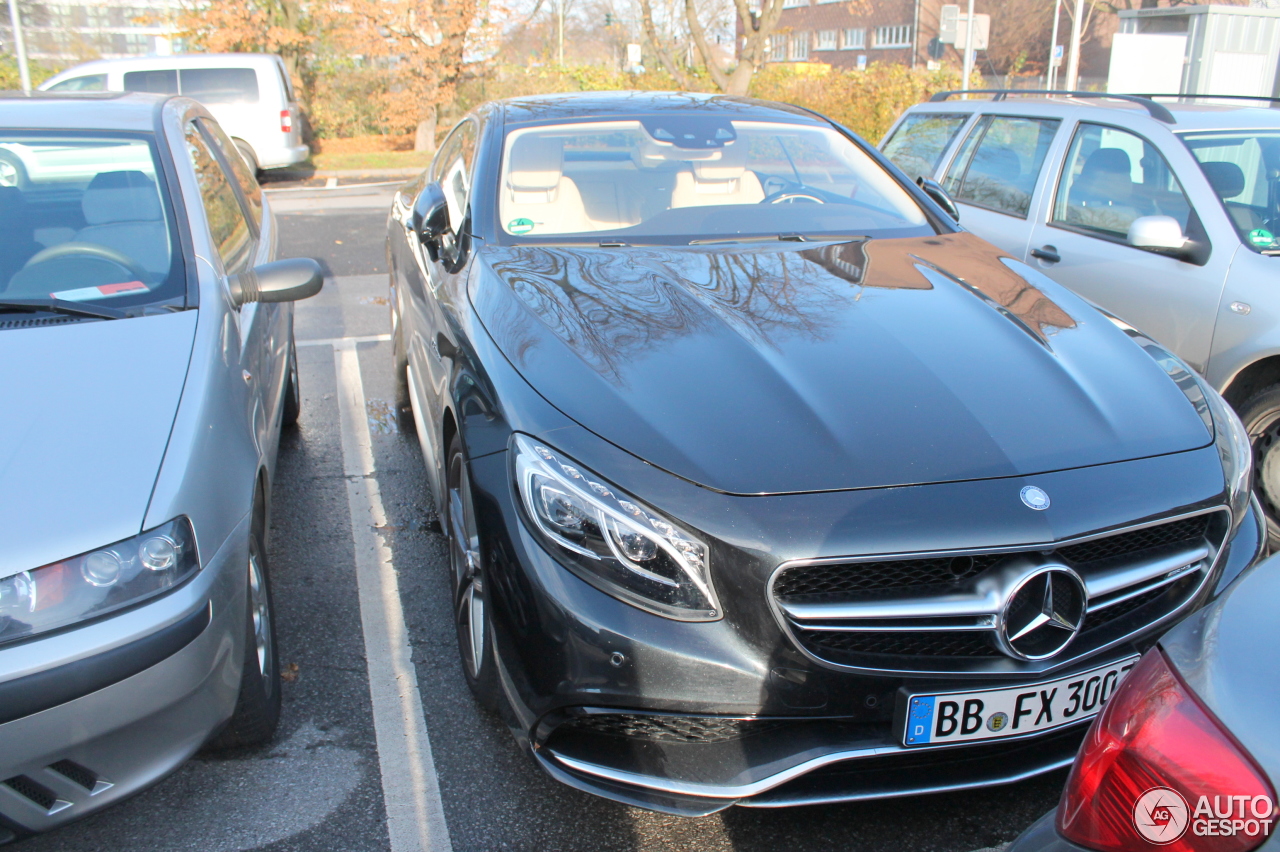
<point x="260" y="611"/>
<point x="464" y="553"/>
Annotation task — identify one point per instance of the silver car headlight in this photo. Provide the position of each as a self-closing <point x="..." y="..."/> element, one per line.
<point x="612" y="540"/>
<point x="96" y="583"/>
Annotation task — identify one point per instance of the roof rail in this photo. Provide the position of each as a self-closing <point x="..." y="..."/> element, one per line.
<point x="1156" y="110"/>
<point x="1216" y="97"/>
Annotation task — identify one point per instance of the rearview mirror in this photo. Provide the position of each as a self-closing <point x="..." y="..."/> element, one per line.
<point x="934" y="190"/>
<point x="430" y="219"/>
<point x="280" y="281"/>
<point x="1156" y="232"/>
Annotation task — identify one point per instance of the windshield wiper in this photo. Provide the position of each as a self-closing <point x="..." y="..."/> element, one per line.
<point x="785" y="238"/>
<point x="60" y="306"/>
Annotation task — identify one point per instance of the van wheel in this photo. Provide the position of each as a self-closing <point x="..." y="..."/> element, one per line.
<point x="257" y="710"/>
<point x="1261" y="417"/>
<point x="471" y="591"/>
<point x="249" y="156"/>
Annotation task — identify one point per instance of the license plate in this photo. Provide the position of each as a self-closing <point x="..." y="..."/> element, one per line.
<point x="989" y="714"/>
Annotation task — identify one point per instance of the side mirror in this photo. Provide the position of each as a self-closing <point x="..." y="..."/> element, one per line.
<point x="934" y="190"/>
<point x="281" y="281"/>
<point x="430" y="218"/>
<point x="1156" y="232"/>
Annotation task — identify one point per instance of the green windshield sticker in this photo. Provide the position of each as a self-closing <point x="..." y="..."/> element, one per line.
<point x="1262" y="238"/>
<point x="524" y="226"/>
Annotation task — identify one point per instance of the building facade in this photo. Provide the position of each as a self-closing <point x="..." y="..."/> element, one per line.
<point x="94" y="29"/>
<point x="856" y="34"/>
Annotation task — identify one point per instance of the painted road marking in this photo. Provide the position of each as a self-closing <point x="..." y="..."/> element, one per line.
<point x="410" y="788"/>
<point x="338" y="341"/>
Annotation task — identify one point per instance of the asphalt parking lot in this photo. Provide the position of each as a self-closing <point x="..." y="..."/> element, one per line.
<point x="322" y="784"/>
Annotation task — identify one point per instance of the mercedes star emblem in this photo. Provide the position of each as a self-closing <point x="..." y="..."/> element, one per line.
<point x="1043" y="614"/>
<point x="1035" y="498"/>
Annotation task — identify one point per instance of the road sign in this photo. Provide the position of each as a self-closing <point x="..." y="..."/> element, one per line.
<point x="948" y="18"/>
<point x="981" y="32"/>
<point x="1057" y="54"/>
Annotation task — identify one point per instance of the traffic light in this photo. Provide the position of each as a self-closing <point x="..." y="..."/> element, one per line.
<point x="608" y="19"/>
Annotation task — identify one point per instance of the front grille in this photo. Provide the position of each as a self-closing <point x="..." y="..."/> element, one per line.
<point x="902" y="643"/>
<point x="932" y="613"/>
<point x="819" y="581"/>
<point x="671" y="729"/>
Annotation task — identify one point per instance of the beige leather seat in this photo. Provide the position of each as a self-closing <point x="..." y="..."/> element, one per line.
<point x="538" y="191"/>
<point x="722" y="181"/>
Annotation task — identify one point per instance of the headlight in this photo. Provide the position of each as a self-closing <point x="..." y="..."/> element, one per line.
<point x="1236" y="452"/>
<point x="612" y="540"/>
<point x="96" y="583"/>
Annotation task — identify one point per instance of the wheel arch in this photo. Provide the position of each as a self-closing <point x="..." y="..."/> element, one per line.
<point x="1253" y="378"/>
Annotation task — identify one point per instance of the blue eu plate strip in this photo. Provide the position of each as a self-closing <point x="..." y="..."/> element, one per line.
<point x="919" y="719"/>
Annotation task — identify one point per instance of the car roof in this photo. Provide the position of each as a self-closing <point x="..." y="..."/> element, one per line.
<point x="177" y="60"/>
<point x="538" y="108"/>
<point x="80" y="110"/>
<point x="1187" y="116"/>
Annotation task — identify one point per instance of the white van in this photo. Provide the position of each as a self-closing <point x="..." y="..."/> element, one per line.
<point x="248" y="93"/>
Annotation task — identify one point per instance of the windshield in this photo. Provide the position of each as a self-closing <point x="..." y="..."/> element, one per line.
<point x="83" y="218"/>
<point x="1244" y="169"/>
<point x="687" y="178"/>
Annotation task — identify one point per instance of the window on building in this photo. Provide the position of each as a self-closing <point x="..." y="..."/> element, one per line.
<point x="800" y="46"/>
<point x="854" y="38"/>
<point x="826" y="40"/>
<point x="777" y="48"/>
<point x="899" y="36"/>
<point x="791" y="4"/>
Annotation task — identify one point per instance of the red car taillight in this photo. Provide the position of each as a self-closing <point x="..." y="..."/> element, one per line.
<point x="1158" y="771"/>
<point x="286" y="121"/>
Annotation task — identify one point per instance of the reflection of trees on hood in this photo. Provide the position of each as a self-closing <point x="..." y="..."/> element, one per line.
<point x="610" y="306"/>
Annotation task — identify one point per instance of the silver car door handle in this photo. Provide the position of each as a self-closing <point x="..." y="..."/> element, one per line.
<point x="1048" y="254"/>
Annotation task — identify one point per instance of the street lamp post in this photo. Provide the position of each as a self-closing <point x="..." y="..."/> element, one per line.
<point x="1073" y="67"/>
<point x="20" y="45"/>
<point x="1051" y="75"/>
<point x="968" y="49"/>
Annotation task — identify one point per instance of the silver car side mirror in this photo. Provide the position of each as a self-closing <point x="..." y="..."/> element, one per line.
<point x="1156" y="232"/>
<point x="280" y="281"/>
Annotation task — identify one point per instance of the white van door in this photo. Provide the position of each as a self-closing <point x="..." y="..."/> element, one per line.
<point x="1109" y="178"/>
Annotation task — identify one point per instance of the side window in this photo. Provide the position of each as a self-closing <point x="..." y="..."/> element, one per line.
<point x="1113" y="177"/>
<point x="918" y="144"/>
<point x="240" y="170"/>
<point x="452" y="168"/>
<point x="227" y="224"/>
<point x="89" y="83"/>
<point x="157" y="82"/>
<point x="999" y="163"/>
<point x="220" y="85"/>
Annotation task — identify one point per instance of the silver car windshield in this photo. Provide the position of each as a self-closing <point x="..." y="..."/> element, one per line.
<point x="85" y="218"/>
<point x="1244" y="169"/>
<point x="689" y="178"/>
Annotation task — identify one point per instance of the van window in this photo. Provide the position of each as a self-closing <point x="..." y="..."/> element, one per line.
<point x="88" y="83"/>
<point x="163" y="82"/>
<point x="220" y="85"/>
<point x="918" y="144"/>
<point x="1000" y="163"/>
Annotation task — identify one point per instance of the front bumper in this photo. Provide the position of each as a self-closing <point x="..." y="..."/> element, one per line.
<point x="691" y="718"/>
<point x="92" y="715"/>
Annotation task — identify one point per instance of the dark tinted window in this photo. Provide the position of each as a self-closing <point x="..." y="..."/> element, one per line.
<point x="89" y="83"/>
<point x="1001" y="162"/>
<point x="159" y="82"/>
<point x="227" y="225"/>
<point x="918" y="144"/>
<point x="239" y="168"/>
<point x="220" y="85"/>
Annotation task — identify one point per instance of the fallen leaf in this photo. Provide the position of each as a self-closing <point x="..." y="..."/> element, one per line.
<point x="290" y="673"/>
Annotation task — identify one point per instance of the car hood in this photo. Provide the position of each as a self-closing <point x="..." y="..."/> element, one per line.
<point x="85" y="419"/>
<point x="782" y="368"/>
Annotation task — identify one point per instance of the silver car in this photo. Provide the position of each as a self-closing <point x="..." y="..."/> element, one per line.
<point x="146" y="367"/>
<point x="1165" y="214"/>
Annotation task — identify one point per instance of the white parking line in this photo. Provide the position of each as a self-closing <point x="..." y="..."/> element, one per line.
<point x="410" y="788"/>
<point x="334" y="341"/>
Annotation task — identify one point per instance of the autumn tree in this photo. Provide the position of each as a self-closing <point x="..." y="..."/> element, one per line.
<point x="758" y="25"/>
<point x="282" y="27"/>
<point x="418" y="45"/>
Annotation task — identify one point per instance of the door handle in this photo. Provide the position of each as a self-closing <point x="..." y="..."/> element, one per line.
<point x="1049" y="254"/>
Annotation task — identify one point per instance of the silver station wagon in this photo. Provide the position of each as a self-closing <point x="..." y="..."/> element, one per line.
<point x="1164" y="211"/>
<point x="146" y="368"/>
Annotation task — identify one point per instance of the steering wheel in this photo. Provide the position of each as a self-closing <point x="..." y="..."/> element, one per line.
<point x="791" y="196"/>
<point x="93" y="250"/>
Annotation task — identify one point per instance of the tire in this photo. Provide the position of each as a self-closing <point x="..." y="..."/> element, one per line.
<point x="1261" y="417"/>
<point x="12" y="172"/>
<point x="292" y="393"/>
<point x="400" y="362"/>
<point x="471" y="614"/>
<point x="250" y="158"/>
<point x="257" y="710"/>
